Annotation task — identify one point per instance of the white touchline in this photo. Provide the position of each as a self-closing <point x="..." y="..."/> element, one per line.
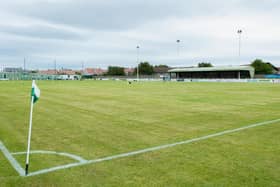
<point x="151" y="149"/>
<point x="72" y="156"/>
<point x="11" y="159"/>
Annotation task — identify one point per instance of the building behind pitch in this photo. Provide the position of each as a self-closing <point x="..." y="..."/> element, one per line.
<point x="219" y="72"/>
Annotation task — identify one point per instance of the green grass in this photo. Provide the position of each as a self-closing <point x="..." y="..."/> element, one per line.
<point x="94" y="119"/>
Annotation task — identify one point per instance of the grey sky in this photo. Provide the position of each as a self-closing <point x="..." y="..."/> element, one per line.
<point x="102" y="33"/>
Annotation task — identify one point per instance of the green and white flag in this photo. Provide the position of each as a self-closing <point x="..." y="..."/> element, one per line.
<point x="35" y="92"/>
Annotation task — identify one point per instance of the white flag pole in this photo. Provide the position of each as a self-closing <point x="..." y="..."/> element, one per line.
<point x="29" y="136"/>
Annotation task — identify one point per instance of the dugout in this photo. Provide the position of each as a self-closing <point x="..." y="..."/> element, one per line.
<point x="222" y="72"/>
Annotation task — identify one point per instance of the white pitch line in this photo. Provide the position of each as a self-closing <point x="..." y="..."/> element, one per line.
<point x="74" y="157"/>
<point x="11" y="159"/>
<point x="152" y="148"/>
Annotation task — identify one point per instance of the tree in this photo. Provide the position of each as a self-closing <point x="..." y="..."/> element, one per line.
<point x="145" y="68"/>
<point x="34" y="71"/>
<point x="261" y="67"/>
<point x="204" y="64"/>
<point x="116" y="70"/>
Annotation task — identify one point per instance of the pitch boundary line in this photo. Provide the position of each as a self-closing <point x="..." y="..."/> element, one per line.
<point x="43" y="171"/>
<point x="72" y="156"/>
<point x="11" y="159"/>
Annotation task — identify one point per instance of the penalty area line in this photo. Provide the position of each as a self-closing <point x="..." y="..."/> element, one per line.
<point x="152" y="148"/>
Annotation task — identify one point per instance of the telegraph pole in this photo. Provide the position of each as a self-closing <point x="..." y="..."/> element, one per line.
<point x="55" y="66"/>
<point x="138" y="48"/>
<point x="24" y="63"/>
<point x="239" y="32"/>
<point x="178" y="47"/>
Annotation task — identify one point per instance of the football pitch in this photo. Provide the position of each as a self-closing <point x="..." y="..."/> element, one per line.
<point x="110" y="133"/>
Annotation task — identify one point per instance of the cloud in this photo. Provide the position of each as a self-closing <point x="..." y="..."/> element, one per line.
<point x="117" y="15"/>
<point x="36" y="28"/>
<point x="103" y="33"/>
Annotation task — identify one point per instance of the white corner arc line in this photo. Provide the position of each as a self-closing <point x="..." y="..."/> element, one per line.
<point x="72" y="156"/>
<point x="11" y="159"/>
<point x="152" y="148"/>
<point x="43" y="171"/>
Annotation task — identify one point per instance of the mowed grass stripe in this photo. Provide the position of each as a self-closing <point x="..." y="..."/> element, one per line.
<point x="195" y="165"/>
<point x="157" y="148"/>
<point x="107" y="126"/>
<point x="98" y="118"/>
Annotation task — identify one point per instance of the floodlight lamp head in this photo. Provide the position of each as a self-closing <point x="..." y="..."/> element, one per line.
<point x="178" y="41"/>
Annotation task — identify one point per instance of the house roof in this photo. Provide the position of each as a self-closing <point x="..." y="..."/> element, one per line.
<point x="161" y="69"/>
<point x="93" y="71"/>
<point x="67" y="72"/>
<point x="59" y="72"/>
<point x="48" y="72"/>
<point x="129" y="70"/>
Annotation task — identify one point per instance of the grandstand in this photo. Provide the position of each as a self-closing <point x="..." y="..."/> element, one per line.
<point x="222" y="72"/>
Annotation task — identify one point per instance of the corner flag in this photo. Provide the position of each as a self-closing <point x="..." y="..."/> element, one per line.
<point x="35" y="94"/>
